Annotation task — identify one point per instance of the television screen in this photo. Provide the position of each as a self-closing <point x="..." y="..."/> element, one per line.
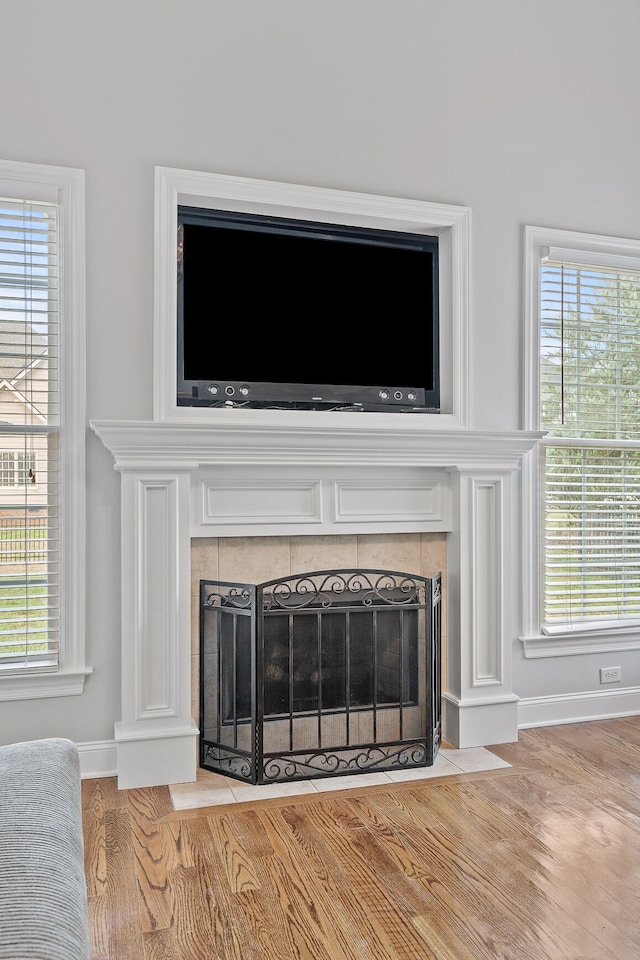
<point x="307" y="314"/>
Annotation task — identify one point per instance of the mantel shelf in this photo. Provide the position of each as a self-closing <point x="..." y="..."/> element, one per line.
<point x="280" y="440"/>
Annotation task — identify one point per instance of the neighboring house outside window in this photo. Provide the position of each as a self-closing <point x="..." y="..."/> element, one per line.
<point x="42" y="407"/>
<point x="583" y="486"/>
<point x="17" y="469"/>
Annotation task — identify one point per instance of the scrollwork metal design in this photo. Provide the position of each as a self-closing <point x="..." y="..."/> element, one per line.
<point x="237" y="597"/>
<point x="227" y="762"/>
<point x="437" y="590"/>
<point x="363" y="587"/>
<point x="330" y="763"/>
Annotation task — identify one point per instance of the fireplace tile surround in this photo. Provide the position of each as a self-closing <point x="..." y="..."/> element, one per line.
<point x="256" y="559"/>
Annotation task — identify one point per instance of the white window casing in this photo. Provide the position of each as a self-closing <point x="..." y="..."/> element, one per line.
<point x="42" y="428"/>
<point x="582" y="485"/>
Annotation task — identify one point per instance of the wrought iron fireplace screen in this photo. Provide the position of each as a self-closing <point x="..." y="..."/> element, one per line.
<point x="326" y="673"/>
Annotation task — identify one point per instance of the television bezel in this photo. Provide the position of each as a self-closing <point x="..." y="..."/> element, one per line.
<point x="384" y="397"/>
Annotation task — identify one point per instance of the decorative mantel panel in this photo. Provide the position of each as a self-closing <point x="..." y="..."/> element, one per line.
<point x="312" y="473"/>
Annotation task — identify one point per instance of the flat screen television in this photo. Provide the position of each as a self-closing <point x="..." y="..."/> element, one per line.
<point x="295" y="314"/>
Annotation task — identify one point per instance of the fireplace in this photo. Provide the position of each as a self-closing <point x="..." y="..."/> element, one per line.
<point x="262" y="475"/>
<point x="320" y="674"/>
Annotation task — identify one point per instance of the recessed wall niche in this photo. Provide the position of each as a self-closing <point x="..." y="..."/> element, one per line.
<point x="200" y="190"/>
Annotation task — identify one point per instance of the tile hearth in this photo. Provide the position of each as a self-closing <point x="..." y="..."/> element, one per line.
<point x="212" y="789"/>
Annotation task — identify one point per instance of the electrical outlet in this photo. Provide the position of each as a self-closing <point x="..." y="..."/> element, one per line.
<point x="610" y="674"/>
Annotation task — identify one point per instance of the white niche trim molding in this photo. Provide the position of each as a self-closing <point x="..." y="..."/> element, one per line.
<point x="452" y="224"/>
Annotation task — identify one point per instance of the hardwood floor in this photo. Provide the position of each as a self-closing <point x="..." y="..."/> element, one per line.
<point x="540" y="861"/>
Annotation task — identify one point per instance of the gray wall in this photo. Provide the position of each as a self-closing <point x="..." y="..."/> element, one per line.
<point x="526" y="112"/>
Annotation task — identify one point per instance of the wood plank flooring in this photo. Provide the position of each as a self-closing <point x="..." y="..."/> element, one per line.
<point x="539" y="861"/>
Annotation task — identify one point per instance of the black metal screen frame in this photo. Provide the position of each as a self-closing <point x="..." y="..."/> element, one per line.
<point x="233" y="676"/>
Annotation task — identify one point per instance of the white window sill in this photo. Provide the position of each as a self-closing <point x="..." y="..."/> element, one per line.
<point x="33" y="685"/>
<point x="579" y="643"/>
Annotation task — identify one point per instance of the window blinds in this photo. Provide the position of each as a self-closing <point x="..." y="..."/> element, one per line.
<point x="589" y="393"/>
<point x="29" y="435"/>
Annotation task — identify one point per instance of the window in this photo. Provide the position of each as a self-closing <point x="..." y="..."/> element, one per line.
<point x="587" y="400"/>
<point x="41" y="431"/>
<point x="17" y="470"/>
<point x="29" y="308"/>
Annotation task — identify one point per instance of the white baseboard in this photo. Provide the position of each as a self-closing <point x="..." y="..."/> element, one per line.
<point x="98" y="759"/>
<point x="479" y="723"/>
<point x="576" y="707"/>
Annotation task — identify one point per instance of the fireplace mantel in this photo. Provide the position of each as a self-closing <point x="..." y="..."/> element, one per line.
<point x="162" y="465"/>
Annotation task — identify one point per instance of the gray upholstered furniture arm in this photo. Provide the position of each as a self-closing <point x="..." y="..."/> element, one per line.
<point x="43" y="896"/>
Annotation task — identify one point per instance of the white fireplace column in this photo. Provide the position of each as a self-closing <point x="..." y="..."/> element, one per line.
<point x="155" y="739"/>
<point x="160" y="472"/>
<point x="479" y="706"/>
